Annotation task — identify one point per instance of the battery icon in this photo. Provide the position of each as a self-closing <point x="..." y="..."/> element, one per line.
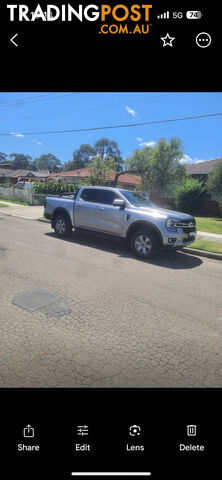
<point x="193" y="14"/>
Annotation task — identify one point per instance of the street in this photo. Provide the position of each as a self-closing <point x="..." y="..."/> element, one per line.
<point x="109" y="320"/>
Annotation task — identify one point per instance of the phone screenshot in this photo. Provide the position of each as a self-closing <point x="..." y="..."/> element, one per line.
<point x="110" y="240"/>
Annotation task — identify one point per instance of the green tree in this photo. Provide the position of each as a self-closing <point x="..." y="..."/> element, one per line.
<point x="214" y="181"/>
<point x="81" y="157"/>
<point x="109" y="149"/>
<point x="101" y="170"/>
<point x="20" y="161"/>
<point x="159" y="167"/>
<point x="189" y="195"/>
<point x="33" y="165"/>
<point x="48" y="162"/>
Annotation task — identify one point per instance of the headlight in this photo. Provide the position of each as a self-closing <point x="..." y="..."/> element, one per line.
<point x="171" y="225"/>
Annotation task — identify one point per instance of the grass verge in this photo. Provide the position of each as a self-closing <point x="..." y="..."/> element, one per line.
<point x="209" y="224"/>
<point x="207" y="246"/>
<point x="16" y="202"/>
<point x="3" y="205"/>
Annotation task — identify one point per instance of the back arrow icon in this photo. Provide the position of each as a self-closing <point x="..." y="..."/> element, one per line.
<point x="12" y="40"/>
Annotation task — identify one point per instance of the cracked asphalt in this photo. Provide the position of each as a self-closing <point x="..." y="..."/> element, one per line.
<point x="124" y="323"/>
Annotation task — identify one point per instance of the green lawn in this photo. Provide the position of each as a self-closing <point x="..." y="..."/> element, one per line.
<point x="3" y="205"/>
<point x="207" y="246"/>
<point x="16" y="202"/>
<point x="209" y="224"/>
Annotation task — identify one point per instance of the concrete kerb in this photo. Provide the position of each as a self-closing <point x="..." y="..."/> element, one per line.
<point x="202" y="253"/>
<point x="43" y="220"/>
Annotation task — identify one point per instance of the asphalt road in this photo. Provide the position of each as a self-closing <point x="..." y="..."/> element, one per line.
<point x="118" y="321"/>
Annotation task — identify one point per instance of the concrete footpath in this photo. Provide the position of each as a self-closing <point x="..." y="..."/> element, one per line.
<point x="212" y="237"/>
<point x="23" y="211"/>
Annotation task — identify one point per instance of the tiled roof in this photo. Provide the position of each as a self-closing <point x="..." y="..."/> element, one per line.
<point x="128" y="178"/>
<point x="81" y="172"/>
<point x="22" y="173"/>
<point x="84" y="173"/>
<point x="202" y="168"/>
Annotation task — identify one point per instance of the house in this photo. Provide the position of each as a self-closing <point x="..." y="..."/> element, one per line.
<point x="6" y="165"/>
<point x="126" y="180"/>
<point x="202" y="169"/>
<point x="14" y="176"/>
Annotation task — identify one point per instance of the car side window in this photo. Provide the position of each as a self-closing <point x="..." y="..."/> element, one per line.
<point x="106" y="196"/>
<point x="89" y="195"/>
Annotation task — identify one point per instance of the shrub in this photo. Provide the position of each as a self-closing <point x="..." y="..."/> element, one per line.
<point x="6" y="185"/>
<point x="53" y="187"/>
<point x="189" y="195"/>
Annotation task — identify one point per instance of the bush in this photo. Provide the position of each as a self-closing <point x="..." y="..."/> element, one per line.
<point x="53" y="187"/>
<point x="6" y="185"/>
<point x="189" y="195"/>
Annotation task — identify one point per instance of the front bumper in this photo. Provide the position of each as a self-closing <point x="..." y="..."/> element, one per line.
<point x="176" y="239"/>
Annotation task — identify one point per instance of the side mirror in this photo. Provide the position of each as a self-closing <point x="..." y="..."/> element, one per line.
<point x="119" y="203"/>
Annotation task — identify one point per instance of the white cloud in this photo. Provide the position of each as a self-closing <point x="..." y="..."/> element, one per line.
<point x="147" y="144"/>
<point x="37" y="143"/>
<point x="131" y="111"/>
<point x="186" y="159"/>
<point x="17" y="134"/>
<point x="196" y="160"/>
<point x="139" y="139"/>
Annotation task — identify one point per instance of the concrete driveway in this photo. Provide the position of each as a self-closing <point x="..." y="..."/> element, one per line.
<point x="101" y="318"/>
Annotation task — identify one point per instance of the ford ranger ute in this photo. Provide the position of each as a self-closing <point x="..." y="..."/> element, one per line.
<point x="121" y="214"/>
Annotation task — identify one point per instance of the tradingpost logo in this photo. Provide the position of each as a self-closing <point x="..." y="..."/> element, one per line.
<point x="119" y="19"/>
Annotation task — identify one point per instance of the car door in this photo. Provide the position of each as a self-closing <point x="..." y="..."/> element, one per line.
<point x="107" y="217"/>
<point x="84" y="208"/>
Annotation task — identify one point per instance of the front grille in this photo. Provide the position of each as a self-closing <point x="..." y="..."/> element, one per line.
<point x="187" y="226"/>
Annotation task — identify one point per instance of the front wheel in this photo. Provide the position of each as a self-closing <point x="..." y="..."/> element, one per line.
<point x="62" y="226"/>
<point x="144" y="243"/>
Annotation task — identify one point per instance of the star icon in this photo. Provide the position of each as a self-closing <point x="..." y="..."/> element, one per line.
<point x="167" y="40"/>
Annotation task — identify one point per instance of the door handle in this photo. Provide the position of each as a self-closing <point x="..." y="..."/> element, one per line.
<point x="101" y="209"/>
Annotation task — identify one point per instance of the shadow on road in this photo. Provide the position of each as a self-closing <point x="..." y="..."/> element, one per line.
<point x="165" y="259"/>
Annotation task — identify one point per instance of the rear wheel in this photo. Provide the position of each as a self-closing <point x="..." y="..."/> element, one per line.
<point x="144" y="243"/>
<point x="62" y="226"/>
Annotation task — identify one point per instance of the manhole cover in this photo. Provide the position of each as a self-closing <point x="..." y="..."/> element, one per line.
<point x="41" y="300"/>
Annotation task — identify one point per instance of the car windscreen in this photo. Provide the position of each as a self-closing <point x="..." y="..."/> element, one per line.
<point x="137" y="199"/>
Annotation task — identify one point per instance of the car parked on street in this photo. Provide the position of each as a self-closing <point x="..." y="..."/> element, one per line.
<point x="121" y="214"/>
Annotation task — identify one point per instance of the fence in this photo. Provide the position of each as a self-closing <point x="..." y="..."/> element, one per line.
<point x="22" y="195"/>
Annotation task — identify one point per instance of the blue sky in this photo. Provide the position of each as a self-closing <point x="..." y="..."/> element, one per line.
<point x="48" y="111"/>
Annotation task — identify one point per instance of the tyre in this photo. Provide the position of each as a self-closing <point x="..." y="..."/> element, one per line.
<point x="144" y="243"/>
<point x="62" y="226"/>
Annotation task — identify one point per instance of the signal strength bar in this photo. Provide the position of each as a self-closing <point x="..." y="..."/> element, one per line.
<point x="165" y="15"/>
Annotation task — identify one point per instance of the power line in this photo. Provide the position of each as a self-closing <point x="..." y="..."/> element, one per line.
<point x="38" y="99"/>
<point x="68" y="112"/>
<point x="115" y="126"/>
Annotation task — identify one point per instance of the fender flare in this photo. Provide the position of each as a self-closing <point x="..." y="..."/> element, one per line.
<point x="140" y="223"/>
<point x="58" y="211"/>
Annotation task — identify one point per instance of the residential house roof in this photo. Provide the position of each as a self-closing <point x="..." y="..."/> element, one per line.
<point x="202" y="168"/>
<point x="23" y="173"/>
<point x="85" y="173"/>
